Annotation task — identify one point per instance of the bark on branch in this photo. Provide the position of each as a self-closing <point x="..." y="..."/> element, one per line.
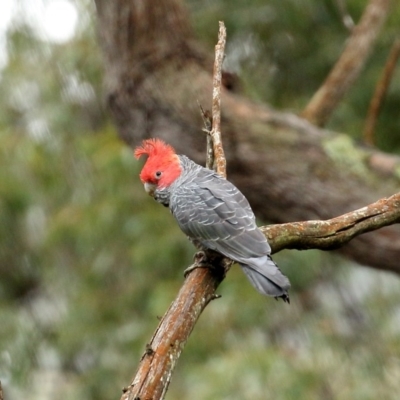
<point x="215" y="133"/>
<point x="334" y="233"/>
<point x="162" y="352"/>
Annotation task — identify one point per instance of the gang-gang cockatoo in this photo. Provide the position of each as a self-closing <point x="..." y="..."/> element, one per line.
<point x="212" y="212"/>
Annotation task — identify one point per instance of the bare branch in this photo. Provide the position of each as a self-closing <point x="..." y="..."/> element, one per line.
<point x="207" y="120"/>
<point x="380" y="93"/>
<point x="162" y="352"/>
<point x="333" y="233"/>
<point x="348" y="67"/>
<point x="216" y="102"/>
<point x="215" y="158"/>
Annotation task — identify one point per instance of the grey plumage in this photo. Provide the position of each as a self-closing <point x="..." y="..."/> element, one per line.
<point x="211" y="210"/>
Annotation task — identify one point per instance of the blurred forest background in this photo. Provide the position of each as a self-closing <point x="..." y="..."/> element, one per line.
<point x="88" y="261"/>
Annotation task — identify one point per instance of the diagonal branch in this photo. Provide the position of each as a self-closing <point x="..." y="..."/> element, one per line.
<point x="333" y="233"/>
<point x="348" y="67"/>
<point x="162" y="352"/>
<point x="380" y="93"/>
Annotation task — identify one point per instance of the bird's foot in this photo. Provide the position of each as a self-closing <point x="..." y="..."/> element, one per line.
<point x="284" y="297"/>
<point x="200" y="260"/>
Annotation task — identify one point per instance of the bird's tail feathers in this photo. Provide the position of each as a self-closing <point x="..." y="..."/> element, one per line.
<point x="267" y="278"/>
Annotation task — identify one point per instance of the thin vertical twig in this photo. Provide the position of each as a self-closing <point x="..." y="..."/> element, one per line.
<point x="380" y="93"/>
<point x="207" y="120"/>
<point x="219" y="154"/>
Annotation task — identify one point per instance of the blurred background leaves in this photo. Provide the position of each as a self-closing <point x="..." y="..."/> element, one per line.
<point x="88" y="261"/>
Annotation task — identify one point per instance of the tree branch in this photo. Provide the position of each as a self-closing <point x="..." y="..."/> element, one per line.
<point x="216" y="102"/>
<point x="162" y="352"/>
<point x="207" y="120"/>
<point x="380" y="92"/>
<point x="349" y="65"/>
<point x="333" y="233"/>
<point x="215" y="158"/>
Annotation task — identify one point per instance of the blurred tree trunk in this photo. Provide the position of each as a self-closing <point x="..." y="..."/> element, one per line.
<point x="156" y="73"/>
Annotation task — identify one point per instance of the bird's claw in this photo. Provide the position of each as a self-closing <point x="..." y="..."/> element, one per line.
<point x="200" y="257"/>
<point x="200" y="261"/>
<point x="284" y="297"/>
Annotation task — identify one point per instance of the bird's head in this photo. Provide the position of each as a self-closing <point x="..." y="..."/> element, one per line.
<point x="162" y="166"/>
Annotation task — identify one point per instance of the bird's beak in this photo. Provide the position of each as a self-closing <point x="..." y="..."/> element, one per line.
<point x="150" y="188"/>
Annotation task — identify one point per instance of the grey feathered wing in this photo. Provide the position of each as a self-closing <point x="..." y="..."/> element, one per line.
<point x="214" y="212"/>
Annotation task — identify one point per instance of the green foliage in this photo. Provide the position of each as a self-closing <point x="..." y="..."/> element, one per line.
<point x="88" y="261"/>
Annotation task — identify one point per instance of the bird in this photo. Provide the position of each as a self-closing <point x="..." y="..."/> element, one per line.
<point x="212" y="212"/>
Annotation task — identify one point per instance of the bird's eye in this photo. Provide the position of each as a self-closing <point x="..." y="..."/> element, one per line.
<point x="158" y="174"/>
